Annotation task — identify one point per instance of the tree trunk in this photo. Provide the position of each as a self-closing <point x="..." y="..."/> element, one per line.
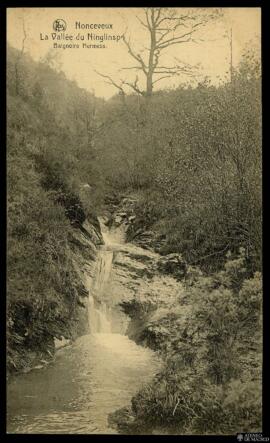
<point x="149" y="78"/>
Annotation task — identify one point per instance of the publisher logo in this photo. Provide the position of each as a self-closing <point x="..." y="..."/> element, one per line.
<point x="251" y="437"/>
<point x="59" y="25"/>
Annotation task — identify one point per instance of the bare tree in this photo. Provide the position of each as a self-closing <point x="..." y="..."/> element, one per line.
<point x="165" y="27"/>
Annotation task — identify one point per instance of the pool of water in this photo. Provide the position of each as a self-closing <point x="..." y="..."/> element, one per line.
<point x="98" y="374"/>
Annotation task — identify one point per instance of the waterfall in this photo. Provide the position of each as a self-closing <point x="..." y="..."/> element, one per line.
<point x="103" y="270"/>
<point x="98" y="312"/>
<point x="106" y="317"/>
<point x="99" y="320"/>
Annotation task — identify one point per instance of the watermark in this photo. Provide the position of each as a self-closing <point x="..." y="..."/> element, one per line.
<point x="254" y="436"/>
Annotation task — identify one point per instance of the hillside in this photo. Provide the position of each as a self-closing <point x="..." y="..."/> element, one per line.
<point x="180" y="174"/>
<point x="48" y="209"/>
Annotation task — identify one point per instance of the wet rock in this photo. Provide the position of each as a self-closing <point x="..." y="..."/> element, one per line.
<point x="91" y="229"/>
<point x="122" y="420"/>
<point x="117" y="220"/>
<point x="136" y="270"/>
<point x="144" y="238"/>
<point x="144" y="258"/>
<point x="83" y="245"/>
<point x="82" y="291"/>
<point x="61" y="343"/>
<point x="82" y="303"/>
<point x="45" y="362"/>
<point x="38" y="367"/>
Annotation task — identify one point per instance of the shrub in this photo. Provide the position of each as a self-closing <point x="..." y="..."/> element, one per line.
<point x="211" y="381"/>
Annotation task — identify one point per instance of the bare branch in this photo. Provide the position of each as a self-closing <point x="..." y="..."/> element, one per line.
<point x="174" y="40"/>
<point x="167" y="31"/>
<point x="138" y="68"/>
<point x="180" y="68"/>
<point x="177" y="71"/>
<point x="156" y="58"/>
<point x="142" y="23"/>
<point x="153" y="17"/>
<point x="136" y="56"/>
<point x="186" y="64"/>
<point x="147" y="18"/>
<point x="158" y="15"/>
<point x="134" y="86"/>
<point x="161" y="78"/>
<point x="111" y="81"/>
<point x="166" y="28"/>
<point x="178" y="18"/>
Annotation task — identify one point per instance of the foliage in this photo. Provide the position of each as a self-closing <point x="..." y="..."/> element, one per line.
<point x="211" y="382"/>
<point x="49" y="161"/>
<point x="194" y="157"/>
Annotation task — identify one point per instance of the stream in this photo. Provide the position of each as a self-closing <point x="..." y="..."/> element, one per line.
<point x="89" y="379"/>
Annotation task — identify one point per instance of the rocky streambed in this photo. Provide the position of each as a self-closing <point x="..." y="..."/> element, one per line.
<point x="131" y="301"/>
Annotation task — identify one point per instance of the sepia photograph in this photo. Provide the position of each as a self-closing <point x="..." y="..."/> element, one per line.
<point x="134" y="221"/>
